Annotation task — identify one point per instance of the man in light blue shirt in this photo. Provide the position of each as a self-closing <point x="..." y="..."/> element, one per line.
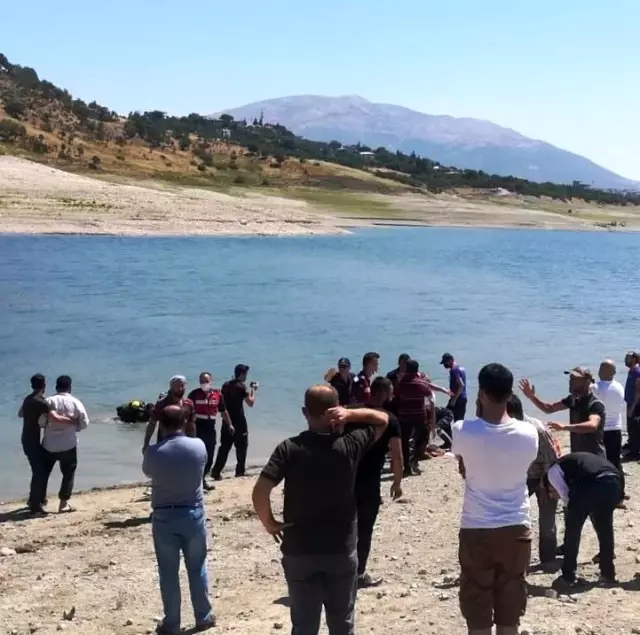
<point x="176" y="468"/>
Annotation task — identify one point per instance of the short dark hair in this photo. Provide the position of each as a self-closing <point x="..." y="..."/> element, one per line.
<point x="63" y="383"/>
<point x="403" y="357"/>
<point x="370" y="357"/>
<point x="38" y="382"/>
<point x="496" y="381"/>
<point x="319" y="399"/>
<point x="380" y="386"/>
<point x="413" y="366"/>
<point x="239" y="370"/>
<point x="172" y="417"/>
<point x="514" y="407"/>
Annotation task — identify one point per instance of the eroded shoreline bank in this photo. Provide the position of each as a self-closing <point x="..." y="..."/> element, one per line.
<point x="36" y="199"/>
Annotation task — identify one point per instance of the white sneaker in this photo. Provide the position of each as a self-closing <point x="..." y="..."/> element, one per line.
<point x="65" y="507"/>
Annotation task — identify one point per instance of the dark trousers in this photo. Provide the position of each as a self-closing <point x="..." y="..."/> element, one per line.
<point x="321" y="580"/>
<point x="68" y="463"/>
<point x="35" y="456"/>
<point x="633" y="432"/>
<point x="459" y="408"/>
<point x="240" y="439"/>
<point x="406" y="430"/>
<point x="597" y="500"/>
<point x="547" y="531"/>
<point x="613" y="450"/>
<point x="206" y="431"/>
<point x="420" y="441"/>
<point x="368" y="508"/>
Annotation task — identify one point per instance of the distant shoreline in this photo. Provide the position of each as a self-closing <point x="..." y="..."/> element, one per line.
<point x="342" y="227"/>
<point x="39" y="200"/>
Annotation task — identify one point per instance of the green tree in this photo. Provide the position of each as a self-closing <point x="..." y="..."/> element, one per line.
<point x="185" y="142"/>
<point x="15" y="107"/>
<point x="11" y="130"/>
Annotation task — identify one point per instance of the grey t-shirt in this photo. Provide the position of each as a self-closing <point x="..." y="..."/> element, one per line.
<point x="176" y="468"/>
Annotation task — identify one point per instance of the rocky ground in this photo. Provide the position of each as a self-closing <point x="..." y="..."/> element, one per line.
<point x="93" y="572"/>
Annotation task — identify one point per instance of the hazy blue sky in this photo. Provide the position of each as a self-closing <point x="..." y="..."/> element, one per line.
<point x="566" y="71"/>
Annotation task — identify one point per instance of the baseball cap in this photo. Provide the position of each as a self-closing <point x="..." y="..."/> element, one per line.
<point x="344" y="362"/>
<point x="580" y="372"/>
<point x="447" y="357"/>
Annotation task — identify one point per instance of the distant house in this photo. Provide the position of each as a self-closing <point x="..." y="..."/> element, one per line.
<point x="226" y="133"/>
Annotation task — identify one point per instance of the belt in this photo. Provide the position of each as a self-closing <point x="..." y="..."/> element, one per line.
<point x="197" y="506"/>
<point x="608" y="475"/>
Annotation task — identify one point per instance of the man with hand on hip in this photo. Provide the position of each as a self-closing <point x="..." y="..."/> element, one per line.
<point x="176" y="468"/>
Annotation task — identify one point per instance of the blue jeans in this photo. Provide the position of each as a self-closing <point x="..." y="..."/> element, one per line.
<point x="174" y="530"/>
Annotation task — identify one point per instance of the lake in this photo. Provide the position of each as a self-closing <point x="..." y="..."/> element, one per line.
<point x="121" y="315"/>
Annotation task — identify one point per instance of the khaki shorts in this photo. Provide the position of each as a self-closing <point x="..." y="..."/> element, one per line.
<point x="493" y="564"/>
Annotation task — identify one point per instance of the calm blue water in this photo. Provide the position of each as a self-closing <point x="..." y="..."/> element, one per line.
<point x="121" y="315"/>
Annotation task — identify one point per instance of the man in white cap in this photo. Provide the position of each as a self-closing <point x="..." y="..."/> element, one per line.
<point x="174" y="397"/>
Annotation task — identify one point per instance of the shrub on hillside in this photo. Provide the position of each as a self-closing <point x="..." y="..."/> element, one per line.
<point x="11" y="130"/>
<point x="95" y="162"/>
<point x="37" y="144"/>
<point x="15" y="108"/>
<point x="202" y="167"/>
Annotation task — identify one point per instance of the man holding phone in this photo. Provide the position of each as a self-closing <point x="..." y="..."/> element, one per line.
<point x="235" y="395"/>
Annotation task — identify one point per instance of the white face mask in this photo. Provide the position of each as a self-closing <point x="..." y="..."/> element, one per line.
<point x="205" y="387"/>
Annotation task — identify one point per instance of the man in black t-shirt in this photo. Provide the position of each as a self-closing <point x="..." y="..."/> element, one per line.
<point x="235" y="395"/>
<point x="589" y="486"/>
<point x="586" y="411"/>
<point x="368" y="479"/>
<point x="32" y="408"/>
<point x="319" y="528"/>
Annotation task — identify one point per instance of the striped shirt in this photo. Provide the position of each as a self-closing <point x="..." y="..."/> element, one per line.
<point x="412" y="393"/>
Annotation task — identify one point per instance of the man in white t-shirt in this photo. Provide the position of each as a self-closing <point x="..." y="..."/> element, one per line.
<point x="611" y="394"/>
<point x="494" y="452"/>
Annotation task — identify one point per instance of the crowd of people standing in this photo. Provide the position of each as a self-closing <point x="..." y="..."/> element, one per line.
<point x="332" y="478"/>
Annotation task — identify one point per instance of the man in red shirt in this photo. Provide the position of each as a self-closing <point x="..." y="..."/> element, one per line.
<point x="416" y="412"/>
<point x="174" y="397"/>
<point x="362" y="381"/>
<point x="207" y="402"/>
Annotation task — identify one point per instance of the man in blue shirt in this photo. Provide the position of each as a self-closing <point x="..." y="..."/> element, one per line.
<point x="457" y="386"/>
<point x="176" y="468"/>
<point x="632" y="398"/>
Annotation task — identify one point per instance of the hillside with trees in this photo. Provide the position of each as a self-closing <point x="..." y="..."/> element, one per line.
<point x="42" y="121"/>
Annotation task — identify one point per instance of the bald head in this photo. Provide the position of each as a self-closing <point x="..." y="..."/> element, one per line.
<point x="172" y="418"/>
<point x="317" y="400"/>
<point x="607" y="370"/>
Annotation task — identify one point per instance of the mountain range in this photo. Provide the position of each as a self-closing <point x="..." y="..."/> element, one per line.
<point x="466" y="143"/>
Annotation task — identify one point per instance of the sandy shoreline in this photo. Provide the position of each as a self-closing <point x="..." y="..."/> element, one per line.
<point x="100" y="560"/>
<point x="36" y="199"/>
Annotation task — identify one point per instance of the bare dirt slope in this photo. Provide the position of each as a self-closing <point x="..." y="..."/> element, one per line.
<point x="35" y="199"/>
<point x="100" y="560"/>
